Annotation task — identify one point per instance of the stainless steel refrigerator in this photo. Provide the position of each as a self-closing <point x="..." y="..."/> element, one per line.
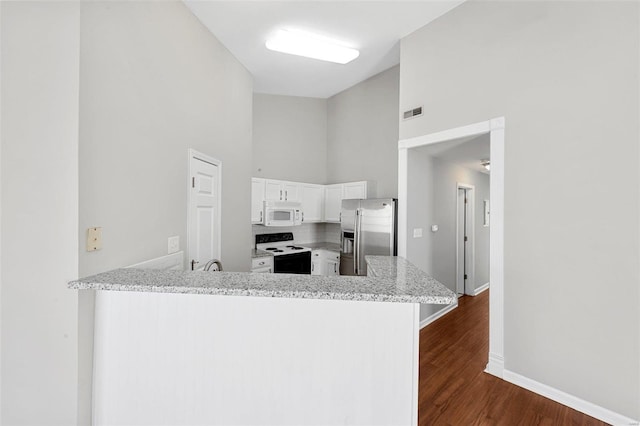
<point x="368" y="227"/>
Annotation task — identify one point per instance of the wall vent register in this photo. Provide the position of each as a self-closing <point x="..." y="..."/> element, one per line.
<point x="412" y="113"/>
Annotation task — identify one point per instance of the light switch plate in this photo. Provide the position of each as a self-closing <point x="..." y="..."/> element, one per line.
<point x="417" y="233"/>
<point x="434" y="228"/>
<point x="173" y="244"/>
<point x="94" y="239"/>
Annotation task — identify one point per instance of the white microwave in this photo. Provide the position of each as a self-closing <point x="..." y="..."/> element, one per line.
<point x="282" y="213"/>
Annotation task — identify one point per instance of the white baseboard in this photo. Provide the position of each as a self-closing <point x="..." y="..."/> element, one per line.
<point x="480" y="289"/>
<point x="431" y="318"/>
<point x="571" y="401"/>
<point x="495" y="366"/>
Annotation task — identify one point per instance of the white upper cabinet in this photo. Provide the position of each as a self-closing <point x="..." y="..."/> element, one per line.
<point x="279" y="190"/>
<point x="354" y="190"/>
<point x="334" y="194"/>
<point x="273" y="191"/>
<point x="333" y="202"/>
<point x="320" y="203"/>
<point x="312" y="199"/>
<point x="291" y="191"/>
<point x="257" y="198"/>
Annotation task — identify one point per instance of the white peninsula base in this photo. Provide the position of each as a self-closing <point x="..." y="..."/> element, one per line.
<point x="195" y="359"/>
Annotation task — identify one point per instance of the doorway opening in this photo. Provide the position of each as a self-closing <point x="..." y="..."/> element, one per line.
<point x="465" y="239"/>
<point x="408" y="152"/>
<point x="204" y="209"/>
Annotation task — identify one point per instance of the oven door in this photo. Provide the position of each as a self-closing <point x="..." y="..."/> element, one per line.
<point x="294" y="263"/>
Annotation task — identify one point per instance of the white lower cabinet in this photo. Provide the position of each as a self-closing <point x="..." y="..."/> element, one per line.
<point x="332" y="263"/>
<point x="262" y="264"/>
<point x="325" y="262"/>
<point x="316" y="262"/>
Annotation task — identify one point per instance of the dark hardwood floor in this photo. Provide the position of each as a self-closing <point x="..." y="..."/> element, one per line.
<point x="454" y="390"/>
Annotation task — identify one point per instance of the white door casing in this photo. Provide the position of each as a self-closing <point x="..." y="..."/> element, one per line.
<point x="495" y="128"/>
<point x="204" y="209"/>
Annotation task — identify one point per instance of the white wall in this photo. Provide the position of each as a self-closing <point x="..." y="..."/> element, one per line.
<point x="155" y="82"/>
<point x="565" y="77"/>
<point x="290" y="138"/>
<point x="39" y="186"/>
<point x="362" y="133"/>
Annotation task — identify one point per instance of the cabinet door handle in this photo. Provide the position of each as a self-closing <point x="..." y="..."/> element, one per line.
<point x="260" y="216"/>
<point x="312" y="267"/>
<point x="303" y="216"/>
<point x="281" y="195"/>
<point x="286" y="195"/>
<point x="335" y="268"/>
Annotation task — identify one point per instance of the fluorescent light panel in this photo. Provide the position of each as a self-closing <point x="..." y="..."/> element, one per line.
<point x="311" y="46"/>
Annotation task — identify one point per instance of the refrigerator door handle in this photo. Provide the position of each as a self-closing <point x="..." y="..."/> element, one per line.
<point x="356" y="243"/>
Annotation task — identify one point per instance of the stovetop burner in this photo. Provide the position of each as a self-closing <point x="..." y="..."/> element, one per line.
<point x="280" y="244"/>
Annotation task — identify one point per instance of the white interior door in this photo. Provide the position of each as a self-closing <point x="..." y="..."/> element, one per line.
<point x="204" y="210"/>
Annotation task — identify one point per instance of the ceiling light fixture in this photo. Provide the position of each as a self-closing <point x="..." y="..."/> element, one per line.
<point x="311" y="46"/>
<point x="486" y="164"/>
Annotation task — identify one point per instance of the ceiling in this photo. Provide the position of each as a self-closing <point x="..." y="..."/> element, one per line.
<point x="373" y="27"/>
<point x="465" y="152"/>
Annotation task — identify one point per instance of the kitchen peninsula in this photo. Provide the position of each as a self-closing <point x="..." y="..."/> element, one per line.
<point x="172" y="347"/>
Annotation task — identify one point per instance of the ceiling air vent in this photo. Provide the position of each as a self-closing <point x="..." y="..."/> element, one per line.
<point x="412" y="113"/>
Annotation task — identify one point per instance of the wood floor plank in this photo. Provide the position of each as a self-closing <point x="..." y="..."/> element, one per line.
<point x="455" y="390"/>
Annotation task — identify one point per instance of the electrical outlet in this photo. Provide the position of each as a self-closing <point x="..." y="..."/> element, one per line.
<point x="94" y="239"/>
<point x="173" y="244"/>
<point x="417" y="233"/>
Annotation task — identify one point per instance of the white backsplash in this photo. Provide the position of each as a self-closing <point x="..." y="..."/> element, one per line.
<point x="305" y="233"/>
<point x="332" y="233"/>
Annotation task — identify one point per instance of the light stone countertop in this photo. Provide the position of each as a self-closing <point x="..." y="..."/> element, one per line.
<point x="393" y="279"/>
<point x="255" y="253"/>
<point x="324" y="246"/>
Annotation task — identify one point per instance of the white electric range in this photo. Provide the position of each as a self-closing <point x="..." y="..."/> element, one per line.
<point x="288" y="257"/>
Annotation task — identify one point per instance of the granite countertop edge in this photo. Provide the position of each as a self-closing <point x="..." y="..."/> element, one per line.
<point x="391" y="279"/>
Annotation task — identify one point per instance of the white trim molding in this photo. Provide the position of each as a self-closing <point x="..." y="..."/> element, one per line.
<point x="480" y="289"/>
<point x="495" y="366"/>
<point x="569" y="400"/>
<point x="495" y="128"/>
<point x="403" y="156"/>
<point x="439" y="314"/>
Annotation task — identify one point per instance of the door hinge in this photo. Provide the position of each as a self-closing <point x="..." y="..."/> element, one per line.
<point x="465" y="200"/>
<point x="193" y="182"/>
<point x="465" y="276"/>
<point x="465" y="238"/>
